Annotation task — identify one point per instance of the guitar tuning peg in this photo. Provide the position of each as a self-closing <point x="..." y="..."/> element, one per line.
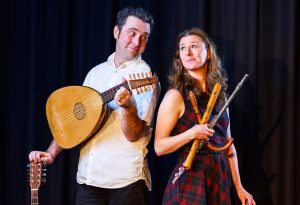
<point x="133" y="75"/>
<point x="138" y="91"/>
<point x="44" y="180"/>
<point x="130" y="77"/>
<point x="138" y="76"/>
<point x="143" y="76"/>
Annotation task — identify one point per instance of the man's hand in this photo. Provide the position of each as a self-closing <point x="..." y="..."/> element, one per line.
<point x="124" y="98"/>
<point x="39" y="156"/>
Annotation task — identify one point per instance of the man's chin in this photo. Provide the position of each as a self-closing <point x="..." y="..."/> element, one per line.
<point x="133" y="55"/>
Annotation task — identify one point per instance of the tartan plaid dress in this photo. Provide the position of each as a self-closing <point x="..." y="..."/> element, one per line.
<point x="208" y="181"/>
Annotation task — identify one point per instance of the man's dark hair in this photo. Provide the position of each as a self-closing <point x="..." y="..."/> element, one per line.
<point x="139" y="13"/>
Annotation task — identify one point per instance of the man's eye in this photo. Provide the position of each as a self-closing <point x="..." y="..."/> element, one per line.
<point x="144" y="37"/>
<point x="131" y="34"/>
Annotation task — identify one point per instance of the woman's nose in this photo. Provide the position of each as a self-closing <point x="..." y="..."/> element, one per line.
<point x="189" y="51"/>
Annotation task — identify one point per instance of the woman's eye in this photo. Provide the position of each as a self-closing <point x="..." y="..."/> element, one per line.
<point x="182" y="48"/>
<point x="195" y="46"/>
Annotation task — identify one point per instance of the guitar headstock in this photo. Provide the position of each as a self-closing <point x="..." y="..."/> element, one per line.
<point x="142" y="82"/>
<point x="37" y="175"/>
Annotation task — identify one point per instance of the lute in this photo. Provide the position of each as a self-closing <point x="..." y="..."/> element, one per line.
<point x="75" y="113"/>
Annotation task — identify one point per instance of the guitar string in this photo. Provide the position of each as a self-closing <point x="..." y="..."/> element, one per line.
<point x="34" y="197"/>
<point x="35" y="174"/>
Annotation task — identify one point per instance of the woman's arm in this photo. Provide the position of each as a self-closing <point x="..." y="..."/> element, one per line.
<point x="170" y="110"/>
<point x="245" y="197"/>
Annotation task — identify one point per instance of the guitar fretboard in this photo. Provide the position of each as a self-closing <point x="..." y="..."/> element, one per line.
<point x="34" y="197"/>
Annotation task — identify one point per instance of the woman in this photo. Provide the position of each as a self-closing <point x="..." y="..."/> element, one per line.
<point x="197" y="68"/>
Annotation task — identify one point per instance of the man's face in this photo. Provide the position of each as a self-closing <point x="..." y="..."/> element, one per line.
<point x="131" y="41"/>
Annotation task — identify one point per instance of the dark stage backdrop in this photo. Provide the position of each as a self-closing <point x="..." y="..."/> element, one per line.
<point x="49" y="44"/>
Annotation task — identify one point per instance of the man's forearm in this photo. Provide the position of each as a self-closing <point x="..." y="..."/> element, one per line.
<point x="54" y="149"/>
<point x="132" y="125"/>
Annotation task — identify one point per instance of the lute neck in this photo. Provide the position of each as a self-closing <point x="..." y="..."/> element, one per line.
<point x="109" y="94"/>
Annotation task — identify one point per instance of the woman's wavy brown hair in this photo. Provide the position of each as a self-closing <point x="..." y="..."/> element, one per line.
<point x="179" y="78"/>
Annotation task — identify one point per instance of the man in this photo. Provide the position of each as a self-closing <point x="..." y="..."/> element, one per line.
<point x="112" y="167"/>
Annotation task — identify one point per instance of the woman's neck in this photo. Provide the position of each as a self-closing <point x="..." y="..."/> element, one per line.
<point x="200" y="76"/>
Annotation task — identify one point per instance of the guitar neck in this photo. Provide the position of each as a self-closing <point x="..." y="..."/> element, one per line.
<point x="109" y="95"/>
<point x="34" y="197"/>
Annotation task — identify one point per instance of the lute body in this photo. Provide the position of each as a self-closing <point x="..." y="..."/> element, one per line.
<point x="75" y="113"/>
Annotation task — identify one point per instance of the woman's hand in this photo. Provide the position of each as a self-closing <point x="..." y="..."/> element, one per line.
<point x="245" y="197"/>
<point x="201" y="132"/>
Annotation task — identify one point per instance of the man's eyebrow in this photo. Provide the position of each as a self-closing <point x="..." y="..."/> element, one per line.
<point x="135" y="29"/>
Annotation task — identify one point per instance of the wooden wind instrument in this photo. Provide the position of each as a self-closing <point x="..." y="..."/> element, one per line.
<point x="211" y="103"/>
<point x="197" y="143"/>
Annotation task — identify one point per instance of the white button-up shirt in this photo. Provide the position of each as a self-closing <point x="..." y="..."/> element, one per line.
<point x="109" y="160"/>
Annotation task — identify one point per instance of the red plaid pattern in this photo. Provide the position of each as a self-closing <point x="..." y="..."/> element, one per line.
<point x="208" y="181"/>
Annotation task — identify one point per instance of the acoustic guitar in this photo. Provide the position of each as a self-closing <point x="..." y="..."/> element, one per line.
<point x="75" y="113"/>
<point x="36" y="177"/>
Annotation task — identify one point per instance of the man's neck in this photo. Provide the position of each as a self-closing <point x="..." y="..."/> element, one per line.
<point x="118" y="61"/>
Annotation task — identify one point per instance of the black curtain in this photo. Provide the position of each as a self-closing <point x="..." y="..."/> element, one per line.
<point x="49" y="44"/>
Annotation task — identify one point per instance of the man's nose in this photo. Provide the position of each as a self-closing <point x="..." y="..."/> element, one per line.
<point x="136" y="41"/>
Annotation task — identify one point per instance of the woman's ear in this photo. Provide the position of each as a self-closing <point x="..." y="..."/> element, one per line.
<point x="208" y="54"/>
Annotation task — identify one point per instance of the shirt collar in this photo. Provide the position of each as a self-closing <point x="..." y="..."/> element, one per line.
<point x="111" y="59"/>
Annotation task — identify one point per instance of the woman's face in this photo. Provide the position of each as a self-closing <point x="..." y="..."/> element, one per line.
<point x="192" y="52"/>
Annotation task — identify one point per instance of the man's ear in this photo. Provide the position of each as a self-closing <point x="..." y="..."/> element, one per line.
<point x="116" y="32"/>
